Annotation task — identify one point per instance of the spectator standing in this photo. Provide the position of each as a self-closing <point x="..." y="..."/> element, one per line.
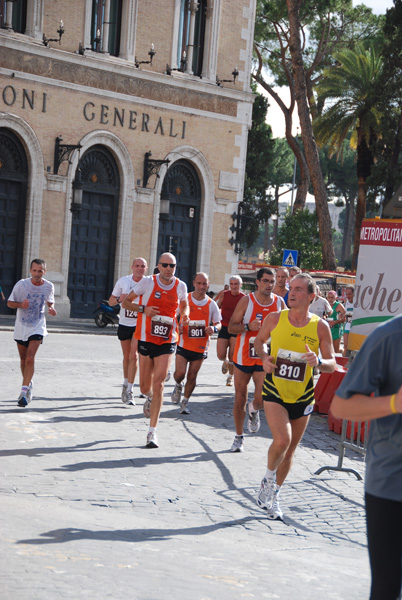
<point x="349" y="292"/>
<point x="372" y="391"/>
<point x="320" y="306"/>
<point x="336" y="319"/>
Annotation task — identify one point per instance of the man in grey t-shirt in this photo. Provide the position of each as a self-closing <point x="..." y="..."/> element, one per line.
<point x="372" y="391"/>
<point x="30" y="297"/>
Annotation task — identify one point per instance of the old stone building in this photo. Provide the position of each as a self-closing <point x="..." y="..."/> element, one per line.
<point x="118" y="138"/>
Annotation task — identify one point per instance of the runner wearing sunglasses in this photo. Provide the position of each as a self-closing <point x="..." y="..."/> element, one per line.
<point x="156" y="299"/>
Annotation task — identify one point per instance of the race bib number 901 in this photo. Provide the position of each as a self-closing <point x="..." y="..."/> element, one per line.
<point x="196" y="329"/>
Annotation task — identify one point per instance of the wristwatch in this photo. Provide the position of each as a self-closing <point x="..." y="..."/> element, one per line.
<point x="246" y="327"/>
<point x="141" y="309"/>
<point x="319" y="361"/>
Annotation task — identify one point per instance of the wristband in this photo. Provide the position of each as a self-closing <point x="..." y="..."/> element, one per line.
<point x="215" y="329"/>
<point x="392" y="404"/>
<point x="319" y="361"/>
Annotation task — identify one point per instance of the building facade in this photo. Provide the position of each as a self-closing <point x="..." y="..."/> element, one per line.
<point x="123" y="133"/>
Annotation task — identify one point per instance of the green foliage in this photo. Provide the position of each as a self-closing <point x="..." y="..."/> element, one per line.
<point x="327" y="25"/>
<point x="352" y="89"/>
<point x="386" y="175"/>
<point x="257" y="204"/>
<point x="299" y="232"/>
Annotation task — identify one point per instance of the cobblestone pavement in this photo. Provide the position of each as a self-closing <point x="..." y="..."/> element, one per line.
<point x="89" y="512"/>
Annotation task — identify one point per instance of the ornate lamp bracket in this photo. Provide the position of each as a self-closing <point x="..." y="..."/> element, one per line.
<point x="63" y="152"/>
<point x="151" y="167"/>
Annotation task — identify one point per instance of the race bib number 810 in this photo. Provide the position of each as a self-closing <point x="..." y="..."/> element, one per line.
<point x="290" y="370"/>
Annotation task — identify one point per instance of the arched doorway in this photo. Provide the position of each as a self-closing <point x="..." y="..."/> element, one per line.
<point x="178" y="230"/>
<point x="13" y="194"/>
<point x="93" y="233"/>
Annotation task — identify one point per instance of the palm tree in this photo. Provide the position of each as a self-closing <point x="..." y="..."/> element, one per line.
<point x="353" y="91"/>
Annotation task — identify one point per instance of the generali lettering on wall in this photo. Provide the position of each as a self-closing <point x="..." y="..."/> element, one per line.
<point x="103" y="114"/>
<point x="378" y="289"/>
<point x="132" y="119"/>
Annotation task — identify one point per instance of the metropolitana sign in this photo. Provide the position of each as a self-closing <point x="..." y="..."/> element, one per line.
<point x="378" y="289"/>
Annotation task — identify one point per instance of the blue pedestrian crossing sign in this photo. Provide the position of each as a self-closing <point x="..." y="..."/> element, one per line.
<point x="290" y="258"/>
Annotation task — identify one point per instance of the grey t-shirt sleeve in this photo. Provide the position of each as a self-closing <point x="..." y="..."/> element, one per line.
<point x="367" y="370"/>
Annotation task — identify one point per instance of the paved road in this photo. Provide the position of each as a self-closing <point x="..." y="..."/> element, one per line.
<point x="88" y="512"/>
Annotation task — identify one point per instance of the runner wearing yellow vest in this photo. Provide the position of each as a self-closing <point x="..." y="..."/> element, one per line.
<point x="296" y="336"/>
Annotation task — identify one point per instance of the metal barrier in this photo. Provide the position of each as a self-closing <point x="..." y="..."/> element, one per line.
<point x="353" y="437"/>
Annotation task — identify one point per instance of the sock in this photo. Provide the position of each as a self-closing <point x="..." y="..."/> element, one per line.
<point x="151" y="429"/>
<point x="251" y="409"/>
<point x="24" y="388"/>
<point x="185" y="400"/>
<point x="125" y="382"/>
<point x="270" y="474"/>
<point x="129" y="387"/>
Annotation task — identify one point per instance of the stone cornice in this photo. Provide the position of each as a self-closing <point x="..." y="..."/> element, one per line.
<point x="116" y="81"/>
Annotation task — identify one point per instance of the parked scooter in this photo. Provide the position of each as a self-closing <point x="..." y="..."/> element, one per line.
<point x="107" y="314"/>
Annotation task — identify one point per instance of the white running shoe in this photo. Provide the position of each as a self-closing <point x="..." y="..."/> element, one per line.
<point x="237" y="445"/>
<point x="275" y="513"/>
<point x="130" y="398"/>
<point x="176" y="394"/>
<point x="266" y="494"/>
<point x="253" y="422"/>
<point x="229" y="380"/>
<point x="225" y="367"/>
<point x="184" y="410"/>
<point x="30" y="389"/>
<point x="168" y="376"/>
<point x="147" y="407"/>
<point x="152" y="440"/>
<point x="123" y="393"/>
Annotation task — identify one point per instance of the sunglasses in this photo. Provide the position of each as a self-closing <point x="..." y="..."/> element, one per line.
<point x="164" y="265"/>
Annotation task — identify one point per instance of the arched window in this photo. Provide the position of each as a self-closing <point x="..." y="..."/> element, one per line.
<point x="190" y="50"/>
<point x="106" y="26"/>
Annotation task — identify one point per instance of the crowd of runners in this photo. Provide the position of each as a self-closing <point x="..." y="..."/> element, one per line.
<point x="278" y="336"/>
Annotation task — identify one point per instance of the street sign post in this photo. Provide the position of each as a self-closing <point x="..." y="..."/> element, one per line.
<point x="290" y="258"/>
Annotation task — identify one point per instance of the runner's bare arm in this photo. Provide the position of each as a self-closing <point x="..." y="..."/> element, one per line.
<point x="129" y="304"/>
<point x="360" y="407"/>
<point x="184" y="312"/>
<point x="236" y="320"/>
<point x="214" y="328"/>
<point x="327" y="363"/>
<point x="24" y="304"/>
<point x="268" y="325"/>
